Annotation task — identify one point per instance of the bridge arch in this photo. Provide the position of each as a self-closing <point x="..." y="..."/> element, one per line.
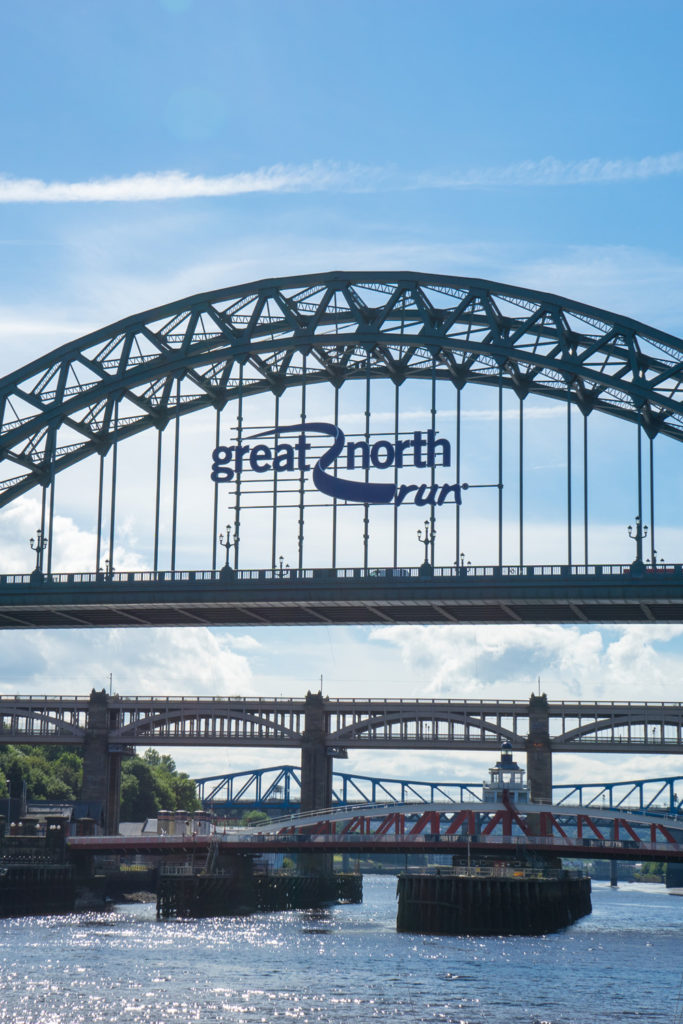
<point x="221" y="348"/>
<point x="476" y="331"/>
<point x="446" y="726"/>
<point x="179" y="725"/>
<point x="630" y="725"/>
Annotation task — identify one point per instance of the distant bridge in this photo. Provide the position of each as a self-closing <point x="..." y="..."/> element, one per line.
<point x="444" y="829"/>
<point x="279" y="789"/>
<point x="323" y="728"/>
<point x="349" y="723"/>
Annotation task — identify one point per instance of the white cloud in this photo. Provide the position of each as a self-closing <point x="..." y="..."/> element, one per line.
<point x="314" y="177"/>
<point x="550" y="171"/>
<point x="329" y="176"/>
<point x="185" y="662"/>
<point x="572" y="661"/>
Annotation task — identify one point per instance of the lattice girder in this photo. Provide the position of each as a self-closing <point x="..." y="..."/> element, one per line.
<point x="271" y="335"/>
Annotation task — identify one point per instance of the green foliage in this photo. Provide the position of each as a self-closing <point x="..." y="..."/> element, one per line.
<point x="49" y="773"/>
<point x="254" y="818"/>
<point x="148" y="784"/>
<point x="152" y="783"/>
<point x="650" y="871"/>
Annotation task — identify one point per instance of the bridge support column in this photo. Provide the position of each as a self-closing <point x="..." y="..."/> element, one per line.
<point x="316" y="774"/>
<point x="539" y="763"/>
<point x="101" y="769"/>
<point x="316" y="763"/>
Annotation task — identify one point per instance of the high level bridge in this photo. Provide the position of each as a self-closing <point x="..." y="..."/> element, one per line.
<point x="324" y="728"/>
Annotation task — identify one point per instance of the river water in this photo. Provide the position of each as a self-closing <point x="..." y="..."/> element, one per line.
<point x="623" y="963"/>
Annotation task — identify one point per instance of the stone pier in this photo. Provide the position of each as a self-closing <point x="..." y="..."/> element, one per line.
<point x="539" y="763"/>
<point x="101" y="786"/>
<point x="316" y="777"/>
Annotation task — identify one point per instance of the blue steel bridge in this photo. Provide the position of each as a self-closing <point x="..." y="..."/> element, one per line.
<point x="277" y="790"/>
<point x="260" y="444"/>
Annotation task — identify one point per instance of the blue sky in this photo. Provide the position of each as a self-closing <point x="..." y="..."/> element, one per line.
<point x="152" y="150"/>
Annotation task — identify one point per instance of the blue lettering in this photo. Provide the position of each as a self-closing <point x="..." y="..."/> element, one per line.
<point x="302" y="447"/>
<point x="382" y="454"/>
<point x="334" y="486"/>
<point x="259" y="460"/>
<point x="351" y="449"/>
<point x="432" y="444"/>
<point x="446" y="489"/>
<point x="220" y="470"/>
<point x="418" y="445"/>
<point x="284" y="458"/>
<point x="227" y="461"/>
<point x="424" y="496"/>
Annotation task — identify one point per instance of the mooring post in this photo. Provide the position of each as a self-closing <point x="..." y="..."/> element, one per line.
<point x="101" y="769"/>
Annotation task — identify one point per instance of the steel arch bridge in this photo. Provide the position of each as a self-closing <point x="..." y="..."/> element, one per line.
<point x="398" y="323"/>
<point x="278" y="789"/>
<point x="222" y="350"/>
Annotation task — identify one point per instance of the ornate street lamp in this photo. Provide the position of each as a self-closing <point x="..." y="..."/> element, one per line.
<point x="638" y="535"/>
<point x="284" y="567"/>
<point x="428" y="539"/>
<point x="38" y="544"/>
<point x="227" y="572"/>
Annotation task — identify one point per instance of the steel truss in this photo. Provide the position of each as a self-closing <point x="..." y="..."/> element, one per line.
<point x="207" y="350"/>
<point x="279" y="787"/>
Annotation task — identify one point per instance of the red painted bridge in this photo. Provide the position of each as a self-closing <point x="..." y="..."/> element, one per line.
<point x="449" y="829"/>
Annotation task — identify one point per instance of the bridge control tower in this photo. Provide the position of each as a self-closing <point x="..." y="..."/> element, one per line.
<point x="506" y="775"/>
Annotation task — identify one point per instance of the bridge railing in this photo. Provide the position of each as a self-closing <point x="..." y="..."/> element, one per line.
<point x="522" y="706"/>
<point x="378" y="573"/>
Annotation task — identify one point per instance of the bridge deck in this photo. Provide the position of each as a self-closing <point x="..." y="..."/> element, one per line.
<point x="496" y="594"/>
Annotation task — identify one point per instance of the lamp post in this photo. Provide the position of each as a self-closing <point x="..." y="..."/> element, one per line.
<point x="461" y="565"/>
<point x="226" y="542"/>
<point x="284" y="567"/>
<point x="38" y="544"/>
<point x="428" y="539"/>
<point x="638" y="535"/>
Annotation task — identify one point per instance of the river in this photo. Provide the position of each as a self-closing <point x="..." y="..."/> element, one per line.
<point x="623" y="963"/>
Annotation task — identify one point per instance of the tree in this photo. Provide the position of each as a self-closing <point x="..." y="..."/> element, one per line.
<point x="55" y="773"/>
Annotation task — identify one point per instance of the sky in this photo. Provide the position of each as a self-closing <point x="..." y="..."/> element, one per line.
<point x="153" y="150"/>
